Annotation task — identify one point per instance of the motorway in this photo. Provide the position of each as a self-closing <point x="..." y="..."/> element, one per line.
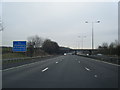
<point x="68" y="71"/>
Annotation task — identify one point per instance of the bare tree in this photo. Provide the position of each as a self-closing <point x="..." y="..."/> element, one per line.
<point x="34" y="44"/>
<point x="36" y="41"/>
<point x="105" y="45"/>
<point x="103" y="48"/>
<point x="112" y="49"/>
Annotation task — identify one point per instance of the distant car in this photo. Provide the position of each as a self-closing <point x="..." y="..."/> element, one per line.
<point x="65" y="54"/>
<point x="87" y="54"/>
<point x="99" y="54"/>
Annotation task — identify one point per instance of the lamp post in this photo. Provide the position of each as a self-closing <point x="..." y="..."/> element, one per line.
<point x="92" y="32"/>
<point x="1" y="25"/>
<point x="82" y="37"/>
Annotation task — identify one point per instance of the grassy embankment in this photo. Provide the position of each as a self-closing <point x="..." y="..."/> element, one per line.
<point x="19" y="56"/>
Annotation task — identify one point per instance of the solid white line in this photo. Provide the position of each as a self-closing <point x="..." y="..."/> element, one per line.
<point x="87" y="69"/>
<point x="45" y="69"/>
<point x="105" y="62"/>
<point x="19" y="66"/>
<point x="22" y="65"/>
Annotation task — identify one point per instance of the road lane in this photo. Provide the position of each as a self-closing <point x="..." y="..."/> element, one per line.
<point x="107" y="73"/>
<point x="66" y="73"/>
<point x="25" y="70"/>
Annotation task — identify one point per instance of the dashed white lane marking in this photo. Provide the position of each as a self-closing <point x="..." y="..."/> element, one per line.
<point x="56" y="62"/>
<point x="45" y="69"/>
<point x="95" y="76"/>
<point x="78" y="61"/>
<point x="87" y="69"/>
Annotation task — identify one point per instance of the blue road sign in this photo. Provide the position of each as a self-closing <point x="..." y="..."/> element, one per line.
<point x="19" y="46"/>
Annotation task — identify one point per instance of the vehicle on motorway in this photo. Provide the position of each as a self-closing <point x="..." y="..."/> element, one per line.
<point x="87" y="54"/>
<point x="65" y="54"/>
<point x="99" y="54"/>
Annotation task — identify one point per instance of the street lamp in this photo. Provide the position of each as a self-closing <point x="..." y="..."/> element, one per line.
<point x="92" y="32"/>
<point x="1" y="25"/>
<point x="82" y="37"/>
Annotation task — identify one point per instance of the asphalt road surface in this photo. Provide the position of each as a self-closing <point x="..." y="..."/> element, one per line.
<point x="68" y="71"/>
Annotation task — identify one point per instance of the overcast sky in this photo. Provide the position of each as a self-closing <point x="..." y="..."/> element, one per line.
<point x="62" y="22"/>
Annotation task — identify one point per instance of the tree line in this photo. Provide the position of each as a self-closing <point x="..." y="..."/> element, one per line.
<point x="110" y="49"/>
<point x="37" y="45"/>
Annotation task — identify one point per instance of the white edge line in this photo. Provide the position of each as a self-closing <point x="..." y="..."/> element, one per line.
<point x="105" y="62"/>
<point x="45" y="69"/>
<point x="19" y="66"/>
<point x="22" y="65"/>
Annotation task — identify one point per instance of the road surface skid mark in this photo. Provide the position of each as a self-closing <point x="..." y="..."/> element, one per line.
<point x="44" y="69"/>
<point x="87" y="69"/>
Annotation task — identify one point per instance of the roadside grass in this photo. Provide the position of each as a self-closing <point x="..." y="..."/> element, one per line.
<point x="12" y="55"/>
<point x="15" y="61"/>
<point x="9" y="57"/>
<point x="25" y="59"/>
<point x="19" y="57"/>
<point x="115" y="60"/>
